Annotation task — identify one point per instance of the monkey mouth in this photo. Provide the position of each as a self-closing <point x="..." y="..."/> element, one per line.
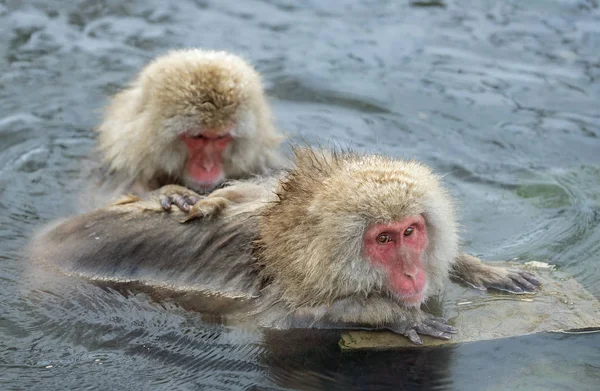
<point x="414" y="299"/>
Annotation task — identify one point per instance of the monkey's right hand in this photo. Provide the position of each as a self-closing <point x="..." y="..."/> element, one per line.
<point x="179" y="196"/>
<point x="429" y="325"/>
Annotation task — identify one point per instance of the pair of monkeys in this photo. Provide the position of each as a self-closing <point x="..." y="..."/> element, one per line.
<point x="337" y="240"/>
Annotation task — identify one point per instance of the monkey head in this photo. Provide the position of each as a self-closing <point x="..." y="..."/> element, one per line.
<point x="196" y="116"/>
<point x="347" y="224"/>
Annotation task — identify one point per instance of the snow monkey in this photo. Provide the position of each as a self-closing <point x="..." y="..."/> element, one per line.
<point x="191" y="117"/>
<point x="341" y="240"/>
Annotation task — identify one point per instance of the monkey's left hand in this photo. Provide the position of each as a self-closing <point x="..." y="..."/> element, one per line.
<point x="179" y="196"/>
<point x="430" y="325"/>
<point x="474" y="272"/>
<point x="515" y="281"/>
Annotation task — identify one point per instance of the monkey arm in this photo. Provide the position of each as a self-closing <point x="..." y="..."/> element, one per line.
<point x="473" y="271"/>
<point x="197" y="206"/>
<point x="238" y="192"/>
<point x="382" y="313"/>
<point x="367" y="313"/>
<point x="211" y="205"/>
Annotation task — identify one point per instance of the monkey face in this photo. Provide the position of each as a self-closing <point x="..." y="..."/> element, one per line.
<point x="396" y="247"/>
<point x="201" y="103"/>
<point x="204" y="167"/>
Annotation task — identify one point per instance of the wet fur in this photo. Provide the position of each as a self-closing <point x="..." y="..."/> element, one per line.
<point x="294" y="242"/>
<point x="134" y="243"/>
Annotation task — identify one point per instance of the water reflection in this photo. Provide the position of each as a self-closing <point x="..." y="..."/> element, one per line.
<point x="308" y="360"/>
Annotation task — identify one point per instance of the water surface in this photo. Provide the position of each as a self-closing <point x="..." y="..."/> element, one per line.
<point x="503" y="97"/>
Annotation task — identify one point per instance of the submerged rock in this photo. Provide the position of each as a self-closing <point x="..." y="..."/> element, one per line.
<point x="561" y="305"/>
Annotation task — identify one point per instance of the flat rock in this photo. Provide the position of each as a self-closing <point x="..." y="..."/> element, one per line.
<point x="561" y="305"/>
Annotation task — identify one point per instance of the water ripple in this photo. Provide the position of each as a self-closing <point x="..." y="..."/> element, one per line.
<point x="500" y="97"/>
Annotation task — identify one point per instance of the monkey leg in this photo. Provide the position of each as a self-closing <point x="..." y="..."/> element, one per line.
<point x="473" y="271"/>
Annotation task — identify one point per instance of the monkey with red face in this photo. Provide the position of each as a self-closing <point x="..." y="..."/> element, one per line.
<point x="339" y="241"/>
<point x="191" y="117"/>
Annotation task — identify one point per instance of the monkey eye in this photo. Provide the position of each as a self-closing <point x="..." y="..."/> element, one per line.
<point x="383" y="238"/>
<point x="408" y="231"/>
<point x="198" y="136"/>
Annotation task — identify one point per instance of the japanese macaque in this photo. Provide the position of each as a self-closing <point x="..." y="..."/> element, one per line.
<point x="339" y="241"/>
<point x="192" y="118"/>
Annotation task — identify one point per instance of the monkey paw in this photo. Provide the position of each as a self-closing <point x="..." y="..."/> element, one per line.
<point x="430" y="325"/>
<point x="179" y="196"/>
<point x="514" y="281"/>
<point x="206" y="208"/>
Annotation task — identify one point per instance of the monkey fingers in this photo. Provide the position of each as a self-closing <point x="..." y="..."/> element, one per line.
<point x="435" y="327"/>
<point x="440" y="324"/>
<point x="182" y="202"/>
<point x="527" y="281"/>
<point x="206" y="208"/>
<point x="432" y="332"/>
<point x="431" y="326"/>
<point x="517" y="281"/>
<point x="179" y="196"/>
<point x="413" y="336"/>
<point x="533" y="280"/>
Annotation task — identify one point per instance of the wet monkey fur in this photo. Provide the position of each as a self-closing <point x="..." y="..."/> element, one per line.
<point x="339" y="241"/>
<point x="191" y="117"/>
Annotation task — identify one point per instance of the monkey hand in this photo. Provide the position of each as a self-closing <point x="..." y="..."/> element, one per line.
<point x="207" y="207"/>
<point x="511" y="280"/>
<point x="429" y="325"/>
<point x="179" y="196"/>
<point x="471" y="270"/>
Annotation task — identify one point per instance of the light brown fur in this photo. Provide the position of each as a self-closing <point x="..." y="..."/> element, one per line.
<point x="294" y="244"/>
<point x="311" y="238"/>
<point x="138" y="139"/>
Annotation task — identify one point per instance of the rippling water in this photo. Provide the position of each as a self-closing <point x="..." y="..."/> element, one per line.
<point x="501" y="96"/>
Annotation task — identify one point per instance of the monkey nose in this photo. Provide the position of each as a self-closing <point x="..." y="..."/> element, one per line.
<point x="208" y="165"/>
<point x="411" y="272"/>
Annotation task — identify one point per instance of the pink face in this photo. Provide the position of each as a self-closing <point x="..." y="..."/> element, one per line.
<point x="397" y="248"/>
<point x="205" y="155"/>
